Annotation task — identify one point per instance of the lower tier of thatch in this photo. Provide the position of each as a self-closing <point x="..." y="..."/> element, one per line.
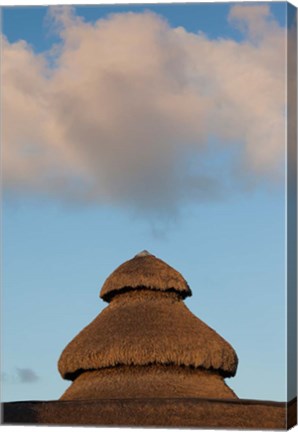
<point x="148" y="382"/>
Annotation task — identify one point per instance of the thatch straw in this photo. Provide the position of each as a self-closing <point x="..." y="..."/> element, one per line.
<point x="146" y="271"/>
<point x="148" y="382"/>
<point x="145" y="327"/>
<point x="182" y="413"/>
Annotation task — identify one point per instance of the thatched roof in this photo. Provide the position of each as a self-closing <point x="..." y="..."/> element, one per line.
<point x="148" y="382"/>
<point x="144" y="271"/>
<point x="156" y="412"/>
<point x="142" y="327"/>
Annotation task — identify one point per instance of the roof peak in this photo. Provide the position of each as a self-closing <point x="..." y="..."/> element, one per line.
<point x="143" y="253"/>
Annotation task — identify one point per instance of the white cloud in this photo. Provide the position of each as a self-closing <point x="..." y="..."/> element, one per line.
<point x="131" y="102"/>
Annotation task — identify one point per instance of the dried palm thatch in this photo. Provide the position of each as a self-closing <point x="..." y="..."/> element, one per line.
<point x="144" y="271"/>
<point x="148" y="382"/>
<point x="144" y="327"/>
<point x="183" y="413"/>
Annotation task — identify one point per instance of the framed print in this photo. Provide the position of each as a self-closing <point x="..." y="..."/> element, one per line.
<point x="149" y="156"/>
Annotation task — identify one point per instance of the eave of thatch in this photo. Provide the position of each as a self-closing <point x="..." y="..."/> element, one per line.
<point x="145" y="271"/>
<point x="145" y="327"/>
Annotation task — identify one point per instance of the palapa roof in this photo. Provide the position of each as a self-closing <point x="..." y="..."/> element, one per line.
<point x="144" y="271"/>
<point x="190" y="413"/>
<point x="147" y="327"/>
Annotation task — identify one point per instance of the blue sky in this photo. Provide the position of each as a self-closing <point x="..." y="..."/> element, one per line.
<point x="209" y="18"/>
<point x="204" y="198"/>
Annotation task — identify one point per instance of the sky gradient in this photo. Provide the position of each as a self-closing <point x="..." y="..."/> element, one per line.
<point x="159" y="128"/>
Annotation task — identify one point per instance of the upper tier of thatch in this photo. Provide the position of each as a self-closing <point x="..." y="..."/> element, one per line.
<point x="143" y="327"/>
<point x="144" y="271"/>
